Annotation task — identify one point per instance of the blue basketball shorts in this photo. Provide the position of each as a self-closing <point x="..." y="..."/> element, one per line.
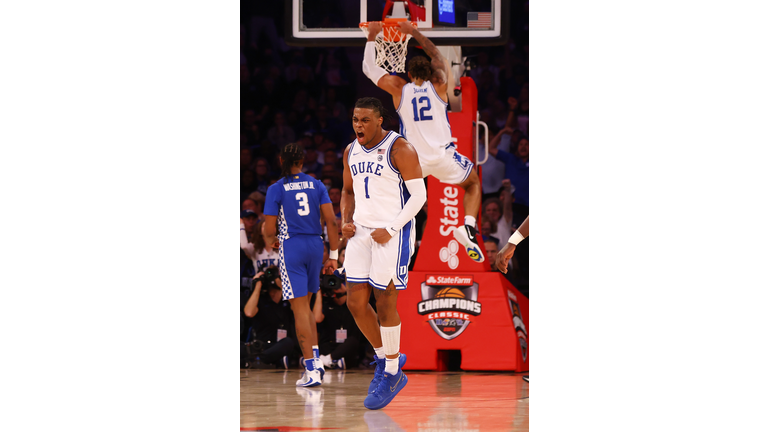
<point x="301" y="261"/>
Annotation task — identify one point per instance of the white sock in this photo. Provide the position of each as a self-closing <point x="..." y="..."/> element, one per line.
<point x="326" y="359"/>
<point x="379" y="352"/>
<point x="390" y="336"/>
<point x="469" y="220"/>
<point x="392" y="365"/>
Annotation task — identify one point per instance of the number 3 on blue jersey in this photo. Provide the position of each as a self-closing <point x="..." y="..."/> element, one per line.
<point x="301" y="197"/>
<point x="419" y="113"/>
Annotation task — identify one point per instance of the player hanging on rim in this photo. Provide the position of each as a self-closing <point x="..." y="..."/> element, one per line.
<point x="422" y="105"/>
<point x="295" y="203"/>
<point x="383" y="190"/>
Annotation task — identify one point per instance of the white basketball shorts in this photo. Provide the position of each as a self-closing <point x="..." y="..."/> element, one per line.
<point x="453" y="168"/>
<point x="378" y="264"/>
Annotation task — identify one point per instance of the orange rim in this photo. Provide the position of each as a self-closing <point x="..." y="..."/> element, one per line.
<point x="390" y="29"/>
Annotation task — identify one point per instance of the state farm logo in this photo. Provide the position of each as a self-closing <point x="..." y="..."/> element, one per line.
<point x="450" y="280"/>
<point x="447" y="306"/>
<point x="448" y="254"/>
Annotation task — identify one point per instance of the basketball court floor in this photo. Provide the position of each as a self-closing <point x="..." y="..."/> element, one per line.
<point x="432" y="401"/>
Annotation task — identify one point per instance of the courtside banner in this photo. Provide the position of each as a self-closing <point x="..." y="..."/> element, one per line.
<point x="486" y="320"/>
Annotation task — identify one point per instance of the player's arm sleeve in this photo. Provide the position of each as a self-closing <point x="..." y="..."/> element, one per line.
<point x="370" y="69"/>
<point x="415" y="203"/>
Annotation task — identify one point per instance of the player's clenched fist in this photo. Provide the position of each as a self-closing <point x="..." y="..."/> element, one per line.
<point x="380" y="235"/>
<point x="348" y="230"/>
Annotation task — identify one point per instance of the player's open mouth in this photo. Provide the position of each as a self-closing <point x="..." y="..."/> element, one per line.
<point x="360" y="135"/>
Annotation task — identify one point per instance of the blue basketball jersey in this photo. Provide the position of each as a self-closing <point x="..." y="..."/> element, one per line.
<point x="296" y="201"/>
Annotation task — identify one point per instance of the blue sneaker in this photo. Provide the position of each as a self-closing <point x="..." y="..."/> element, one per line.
<point x="388" y="388"/>
<point x="379" y="372"/>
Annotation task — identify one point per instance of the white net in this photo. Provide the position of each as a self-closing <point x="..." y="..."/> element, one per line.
<point x="391" y="48"/>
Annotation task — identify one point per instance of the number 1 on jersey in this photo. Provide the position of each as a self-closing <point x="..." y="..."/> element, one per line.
<point x="366" y="187"/>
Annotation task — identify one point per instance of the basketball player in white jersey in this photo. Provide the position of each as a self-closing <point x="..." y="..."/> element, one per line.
<point x="422" y="105"/>
<point x="383" y="190"/>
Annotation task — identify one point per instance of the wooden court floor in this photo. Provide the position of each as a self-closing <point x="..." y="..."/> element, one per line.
<point x="432" y="401"/>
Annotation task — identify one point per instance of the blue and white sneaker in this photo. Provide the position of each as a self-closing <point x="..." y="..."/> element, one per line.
<point x="339" y="364"/>
<point x="467" y="236"/>
<point x="378" y="373"/>
<point x="310" y="378"/>
<point x="388" y="388"/>
<point x="321" y="368"/>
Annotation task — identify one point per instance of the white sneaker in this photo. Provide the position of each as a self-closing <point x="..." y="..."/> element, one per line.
<point x="467" y="236"/>
<point x="310" y="378"/>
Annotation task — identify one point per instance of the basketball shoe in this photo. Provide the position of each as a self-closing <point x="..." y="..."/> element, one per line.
<point x="378" y="373"/>
<point x="321" y="368"/>
<point x="310" y="378"/>
<point x="467" y="236"/>
<point x="388" y="388"/>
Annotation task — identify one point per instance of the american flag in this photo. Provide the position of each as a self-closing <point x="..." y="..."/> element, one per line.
<point x="479" y="20"/>
<point x="381" y="151"/>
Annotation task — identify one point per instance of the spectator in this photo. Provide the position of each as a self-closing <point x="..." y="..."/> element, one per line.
<point x="491" y="249"/>
<point x="247" y="228"/>
<point x="281" y="134"/>
<point x="264" y="255"/>
<point x="330" y="157"/>
<point x="311" y="165"/>
<point x="329" y="171"/>
<point x="335" y="195"/>
<point x="263" y="177"/>
<point x="247" y="183"/>
<point x="249" y="204"/>
<point x="515" y="168"/>
<point x="492" y="211"/>
<point x="487" y="228"/>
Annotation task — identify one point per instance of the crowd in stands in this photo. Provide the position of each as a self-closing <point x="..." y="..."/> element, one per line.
<point x="306" y="95"/>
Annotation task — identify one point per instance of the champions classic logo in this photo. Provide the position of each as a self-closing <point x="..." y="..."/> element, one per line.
<point x="449" y="303"/>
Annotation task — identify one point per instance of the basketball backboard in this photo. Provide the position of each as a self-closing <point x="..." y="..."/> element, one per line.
<point x="444" y="22"/>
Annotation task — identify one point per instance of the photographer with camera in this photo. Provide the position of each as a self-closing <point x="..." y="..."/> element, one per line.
<point x="272" y="335"/>
<point x="337" y="332"/>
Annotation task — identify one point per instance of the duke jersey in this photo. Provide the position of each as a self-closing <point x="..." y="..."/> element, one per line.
<point x="265" y="259"/>
<point x="380" y="191"/>
<point x="424" y="121"/>
<point x="296" y="201"/>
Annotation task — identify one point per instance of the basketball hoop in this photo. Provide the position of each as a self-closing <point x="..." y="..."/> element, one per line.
<point x="391" y="44"/>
